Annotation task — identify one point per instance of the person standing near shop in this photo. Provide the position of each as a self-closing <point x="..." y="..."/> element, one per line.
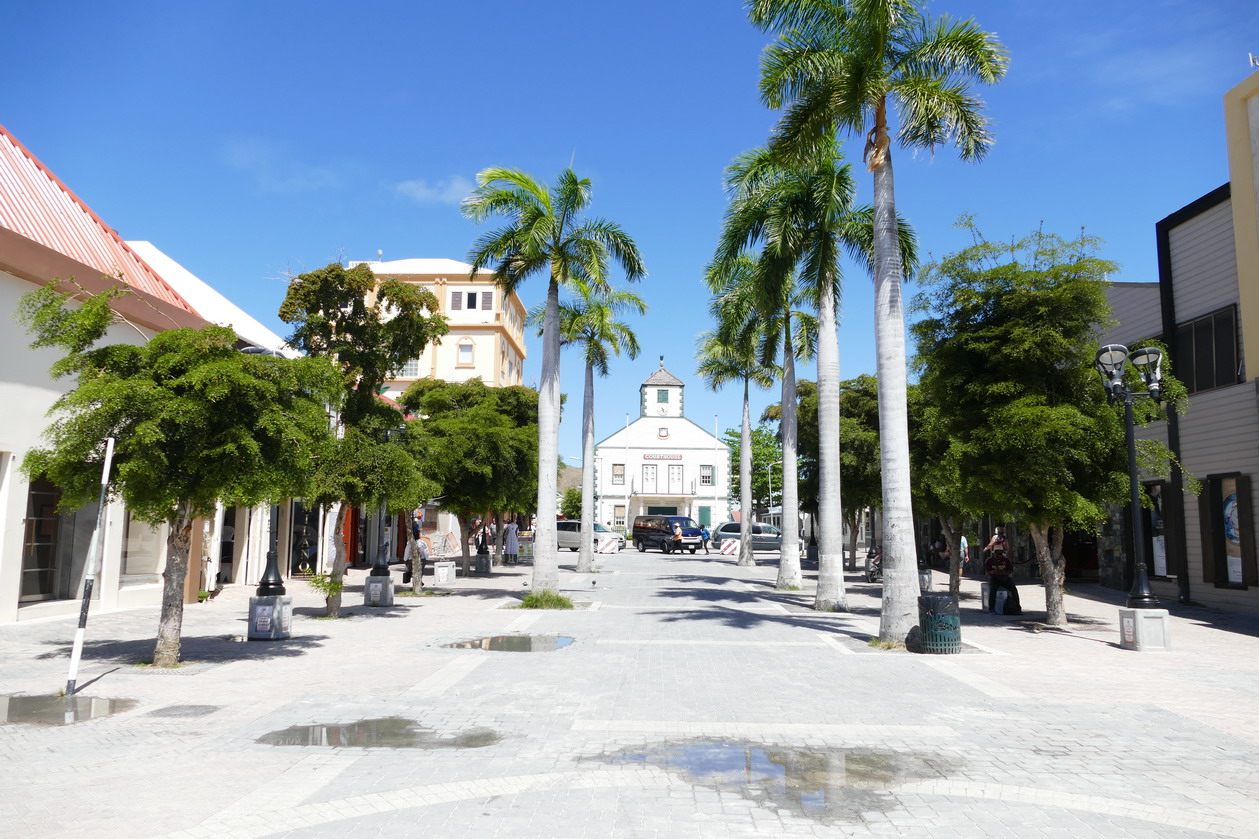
<point x="511" y="543"/>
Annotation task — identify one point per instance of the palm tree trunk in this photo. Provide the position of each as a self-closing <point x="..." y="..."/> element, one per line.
<point x="745" y="484"/>
<point x="831" y="596"/>
<point x="585" y="559"/>
<point x="171" y="620"/>
<point x="546" y="569"/>
<point x="900" y="564"/>
<point x="789" y="555"/>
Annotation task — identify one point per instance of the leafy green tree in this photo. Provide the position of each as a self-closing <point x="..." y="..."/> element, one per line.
<point x="765" y="484"/>
<point x="370" y="326"/>
<point x="478" y="444"/>
<point x="360" y="469"/>
<point x="195" y="421"/>
<point x="858" y="446"/>
<point x="859" y="451"/>
<point x="935" y="461"/>
<point x="589" y="322"/>
<point x="547" y="232"/>
<point x="729" y="354"/>
<point x="367" y="326"/>
<point x="836" y="64"/>
<point x="571" y="503"/>
<point x="1006" y="357"/>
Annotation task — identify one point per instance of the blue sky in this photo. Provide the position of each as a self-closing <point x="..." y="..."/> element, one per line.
<point x="257" y="139"/>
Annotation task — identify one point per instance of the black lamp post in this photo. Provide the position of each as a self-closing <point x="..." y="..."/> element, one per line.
<point x="1149" y="363"/>
<point x="381" y="568"/>
<point x="271" y="583"/>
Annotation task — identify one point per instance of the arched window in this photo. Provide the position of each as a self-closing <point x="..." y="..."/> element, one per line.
<point x="464" y="357"/>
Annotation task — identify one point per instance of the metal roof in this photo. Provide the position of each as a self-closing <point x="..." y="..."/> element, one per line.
<point x="663" y="377"/>
<point x="35" y="204"/>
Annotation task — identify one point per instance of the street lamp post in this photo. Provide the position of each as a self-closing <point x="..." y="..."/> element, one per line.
<point x="270" y="609"/>
<point x="1149" y="363"/>
<point x="379" y="592"/>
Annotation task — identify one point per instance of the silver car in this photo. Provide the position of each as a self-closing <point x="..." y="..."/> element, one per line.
<point x="765" y="537"/>
<point x="568" y="534"/>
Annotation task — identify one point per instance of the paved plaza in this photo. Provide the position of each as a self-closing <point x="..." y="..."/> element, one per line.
<point x="694" y="700"/>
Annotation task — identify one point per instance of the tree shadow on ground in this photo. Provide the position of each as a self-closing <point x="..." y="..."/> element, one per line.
<point x="740" y="619"/>
<point x="398" y="610"/>
<point x="195" y="649"/>
<point x="800" y="600"/>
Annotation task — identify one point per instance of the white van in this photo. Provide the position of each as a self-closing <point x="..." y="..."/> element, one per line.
<point x="568" y="534"/>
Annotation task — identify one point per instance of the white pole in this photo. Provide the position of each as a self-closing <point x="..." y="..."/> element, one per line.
<point x="716" y="440"/>
<point x="628" y="520"/>
<point x="93" y="566"/>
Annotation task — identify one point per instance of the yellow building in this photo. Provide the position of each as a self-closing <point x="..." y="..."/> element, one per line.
<point x="487" y="325"/>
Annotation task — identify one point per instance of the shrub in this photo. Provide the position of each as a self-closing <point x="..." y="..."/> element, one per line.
<point x="546" y="600"/>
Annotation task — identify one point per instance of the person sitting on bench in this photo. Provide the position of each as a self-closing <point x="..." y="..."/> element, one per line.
<point x="1000" y="569"/>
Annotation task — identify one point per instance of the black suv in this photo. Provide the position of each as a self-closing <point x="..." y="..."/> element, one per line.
<point x="657" y="532"/>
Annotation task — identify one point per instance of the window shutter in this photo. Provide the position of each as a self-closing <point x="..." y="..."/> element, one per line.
<point x="487" y="300"/>
<point x="456" y="301"/>
<point x="1246" y="518"/>
<point x="1208" y="502"/>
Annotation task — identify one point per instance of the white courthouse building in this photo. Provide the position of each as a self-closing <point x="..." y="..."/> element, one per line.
<point x="662" y="463"/>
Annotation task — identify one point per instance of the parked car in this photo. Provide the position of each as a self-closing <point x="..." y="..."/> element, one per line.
<point x="657" y="532"/>
<point x="568" y="534"/>
<point x="765" y="537"/>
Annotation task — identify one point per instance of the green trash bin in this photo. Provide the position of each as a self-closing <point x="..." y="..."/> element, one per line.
<point x="940" y="622"/>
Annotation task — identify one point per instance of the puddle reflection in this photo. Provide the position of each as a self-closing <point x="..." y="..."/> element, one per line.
<point x="514" y="643"/>
<point x="54" y="709"/>
<point x="818" y="783"/>
<point x="382" y="733"/>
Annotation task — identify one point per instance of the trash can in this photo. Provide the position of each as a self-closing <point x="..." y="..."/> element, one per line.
<point x="940" y="622"/>
<point x="482" y="563"/>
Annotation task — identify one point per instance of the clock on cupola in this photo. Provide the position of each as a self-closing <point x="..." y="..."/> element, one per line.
<point x="661" y="394"/>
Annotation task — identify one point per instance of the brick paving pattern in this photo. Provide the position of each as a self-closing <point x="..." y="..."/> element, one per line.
<point x="694" y="701"/>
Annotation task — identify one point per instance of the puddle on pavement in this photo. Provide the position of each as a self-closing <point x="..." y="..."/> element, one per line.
<point x="382" y="733"/>
<point x="823" y="784"/>
<point x="514" y="643"/>
<point x="53" y="709"/>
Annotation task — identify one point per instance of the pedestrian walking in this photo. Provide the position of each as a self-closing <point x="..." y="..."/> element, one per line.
<point x="704" y="536"/>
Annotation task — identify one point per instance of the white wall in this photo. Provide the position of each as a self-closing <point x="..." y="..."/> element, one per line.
<point x="27" y="392"/>
<point x="686" y="445"/>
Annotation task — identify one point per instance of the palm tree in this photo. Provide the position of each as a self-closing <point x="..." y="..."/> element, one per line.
<point x="803" y="211"/>
<point x="729" y="354"/>
<point x="766" y="291"/>
<point x="590" y="322"/>
<point x="835" y="65"/>
<point x="546" y="231"/>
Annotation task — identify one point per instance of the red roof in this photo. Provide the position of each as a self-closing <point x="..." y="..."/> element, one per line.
<point x="38" y="206"/>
